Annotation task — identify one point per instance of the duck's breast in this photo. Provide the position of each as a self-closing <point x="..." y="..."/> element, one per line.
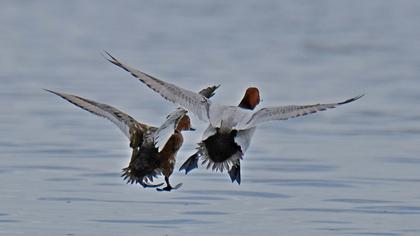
<point x="171" y="147"/>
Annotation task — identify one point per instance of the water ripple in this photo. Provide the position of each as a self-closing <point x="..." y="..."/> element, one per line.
<point x="374" y="233"/>
<point x="205" y="198"/>
<point x="80" y="199"/>
<point x="63" y="179"/>
<point x="47" y="167"/>
<point x="296" y="167"/>
<point x="208" y="213"/>
<point x="154" y="222"/>
<point x="8" y="221"/>
<point x="384" y="210"/>
<point x="238" y="193"/>
<point x="357" y="201"/>
<point x="319" y="183"/>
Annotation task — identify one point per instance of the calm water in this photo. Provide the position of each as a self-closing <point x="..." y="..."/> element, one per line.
<point x="354" y="170"/>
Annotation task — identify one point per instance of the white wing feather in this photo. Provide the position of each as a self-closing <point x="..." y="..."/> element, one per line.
<point x="291" y="111"/>
<point x="166" y="130"/>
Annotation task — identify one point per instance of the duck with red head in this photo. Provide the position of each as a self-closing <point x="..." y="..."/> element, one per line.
<point x="220" y="151"/>
<point x="230" y="128"/>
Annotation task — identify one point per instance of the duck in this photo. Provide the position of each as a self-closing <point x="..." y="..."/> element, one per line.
<point x="230" y="128"/>
<point x="154" y="149"/>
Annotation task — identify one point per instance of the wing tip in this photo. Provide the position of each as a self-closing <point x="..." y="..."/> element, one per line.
<point x="215" y="87"/>
<point x="108" y="57"/>
<point x="351" y="99"/>
<point x="47" y="90"/>
<point x="53" y="92"/>
<point x="112" y="59"/>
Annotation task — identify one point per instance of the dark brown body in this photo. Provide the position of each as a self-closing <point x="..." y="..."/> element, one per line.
<point x="146" y="162"/>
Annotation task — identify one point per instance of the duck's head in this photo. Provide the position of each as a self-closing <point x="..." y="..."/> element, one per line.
<point x="251" y="98"/>
<point x="184" y="124"/>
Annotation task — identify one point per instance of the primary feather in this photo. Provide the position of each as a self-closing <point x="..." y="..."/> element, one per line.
<point x="123" y="121"/>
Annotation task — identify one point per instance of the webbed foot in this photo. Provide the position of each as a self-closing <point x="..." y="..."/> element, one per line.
<point x="235" y="173"/>
<point x="168" y="188"/>
<point x="190" y="164"/>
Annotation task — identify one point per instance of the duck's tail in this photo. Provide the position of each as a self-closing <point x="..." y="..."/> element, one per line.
<point x="235" y="173"/>
<point x="190" y="164"/>
<point x="128" y="176"/>
<point x="131" y="178"/>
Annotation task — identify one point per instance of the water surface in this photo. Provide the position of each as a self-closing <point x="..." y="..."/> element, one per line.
<point x="349" y="171"/>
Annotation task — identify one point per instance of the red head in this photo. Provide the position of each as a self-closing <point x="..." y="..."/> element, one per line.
<point x="251" y="98"/>
<point x="184" y="124"/>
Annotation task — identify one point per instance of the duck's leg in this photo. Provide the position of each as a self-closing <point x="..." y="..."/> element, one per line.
<point x="190" y="164"/>
<point x="168" y="185"/>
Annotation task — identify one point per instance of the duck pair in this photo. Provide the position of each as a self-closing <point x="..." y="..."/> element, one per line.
<point x="153" y="148"/>
<point x="224" y="142"/>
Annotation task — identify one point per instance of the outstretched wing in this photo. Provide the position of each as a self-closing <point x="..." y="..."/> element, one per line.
<point x="126" y="123"/>
<point x="193" y="102"/>
<point x="165" y="131"/>
<point x="291" y="111"/>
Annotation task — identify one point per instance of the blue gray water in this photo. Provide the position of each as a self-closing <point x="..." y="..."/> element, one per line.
<point x="354" y="170"/>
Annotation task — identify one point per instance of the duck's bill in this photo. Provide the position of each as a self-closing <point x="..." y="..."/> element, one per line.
<point x="191" y="129"/>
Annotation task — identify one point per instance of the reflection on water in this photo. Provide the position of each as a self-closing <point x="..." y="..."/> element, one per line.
<point x="349" y="171"/>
